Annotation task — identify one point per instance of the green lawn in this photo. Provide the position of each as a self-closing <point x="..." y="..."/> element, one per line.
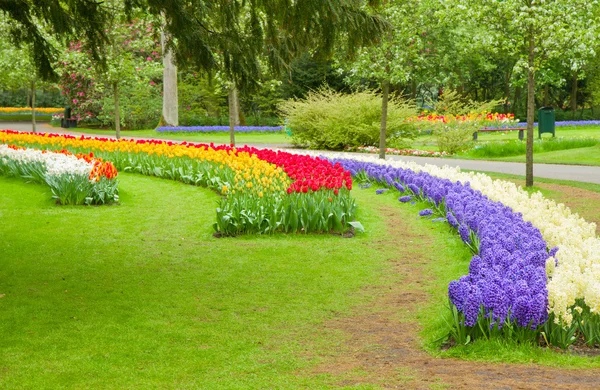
<point x="24" y="118"/>
<point x="580" y="156"/>
<point x="141" y="294"/>
<point x="427" y="142"/>
<point x="217" y="138"/>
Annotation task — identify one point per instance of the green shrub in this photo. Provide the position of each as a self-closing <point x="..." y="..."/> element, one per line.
<point x="140" y="105"/>
<point x="326" y="119"/>
<point x="455" y="134"/>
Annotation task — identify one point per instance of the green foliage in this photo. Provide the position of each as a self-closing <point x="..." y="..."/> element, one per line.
<point x="322" y="211"/>
<point x="309" y="74"/>
<point x="200" y="100"/>
<point x="454" y="136"/>
<point x="455" y="133"/>
<point x="326" y="119"/>
<point x="140" y="104"/>
<point x="488" y="329"/>
<point x="517" y="148"/>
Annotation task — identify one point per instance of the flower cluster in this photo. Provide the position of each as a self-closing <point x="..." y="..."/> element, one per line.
<point x="307" y="173"/>
<point x="74" y="179"/>
<point x="398" y="152"/>
<point x="483" y="117"/>
<point x="218" y="129"/>
<point x="265" y="191"/>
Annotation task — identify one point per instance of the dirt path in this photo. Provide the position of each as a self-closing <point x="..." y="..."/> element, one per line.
<point x="383" y="347"/>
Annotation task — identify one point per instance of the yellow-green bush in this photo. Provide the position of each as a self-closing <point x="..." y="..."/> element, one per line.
<point x="326" y="119"/>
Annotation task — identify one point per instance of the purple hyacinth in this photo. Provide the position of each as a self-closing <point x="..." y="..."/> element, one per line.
<point x="218" y="129"/>
<point x="381" y="191"/>
<point x="399" y="186"/>
<point x="451" y="220"/>
<point x="512" y="252"/>
<point x="465" y="233"/>
<point x="426" y="212"/>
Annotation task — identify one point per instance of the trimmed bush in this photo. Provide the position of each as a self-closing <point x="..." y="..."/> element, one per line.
<point x="326" y="119"/>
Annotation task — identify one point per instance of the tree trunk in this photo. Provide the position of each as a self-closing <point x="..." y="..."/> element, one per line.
<point x="546" y="95"/>
<point x="170" y="107"/>
<point x="385" y="87"/>
<point x="234" y="116"/>
<point x="517" y="98"/>
<point x="574" y="94"/>
<point x="33" y="124"/>
<point x="413" y="89"/>
<point x="530" y="112"/>
<point x="117" y="111"/>
<point x="507" y="92"/>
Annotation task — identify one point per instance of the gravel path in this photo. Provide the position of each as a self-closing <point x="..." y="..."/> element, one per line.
<point x="583" y="173"/>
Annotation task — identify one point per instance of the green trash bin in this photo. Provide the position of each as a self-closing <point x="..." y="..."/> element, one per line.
<point x="546" y="122"/>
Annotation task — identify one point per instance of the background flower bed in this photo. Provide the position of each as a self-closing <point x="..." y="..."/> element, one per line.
<point x="264" y="191"/>
<point x="218" y="129"/>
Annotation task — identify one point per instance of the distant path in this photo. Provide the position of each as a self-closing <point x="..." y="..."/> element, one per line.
<point x="581" y="173"/>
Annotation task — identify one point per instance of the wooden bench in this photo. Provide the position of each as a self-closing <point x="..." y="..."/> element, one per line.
<point x="487" y="129"/>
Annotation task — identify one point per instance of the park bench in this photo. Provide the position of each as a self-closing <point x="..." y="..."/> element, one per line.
<point x="488" y="129"/>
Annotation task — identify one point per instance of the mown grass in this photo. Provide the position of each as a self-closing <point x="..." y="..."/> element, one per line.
<point x="25" y="118"/>
<point x="497" y="146"/>
<point x="516" y="148"/>
<point x="217" y="138"/>
<point x="142" y="295"/>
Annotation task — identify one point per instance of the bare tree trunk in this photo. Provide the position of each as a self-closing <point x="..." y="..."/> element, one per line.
<point x="517" y="98"/>
<point x="33" y="124"/>
<point x="385" y="87"/>
<point x="170" y="107"/>
<point x="574" y="94"/>
<point x="117" y="111"/>
<point x="546" y="95"/>
<point x="413" y="89"/>
<point x="234" y="116"/>
<point x="530" y="112"/>
<point x="507" y="91"/>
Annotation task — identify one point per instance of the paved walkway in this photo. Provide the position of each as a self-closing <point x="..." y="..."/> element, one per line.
<point x="581" y="173"/>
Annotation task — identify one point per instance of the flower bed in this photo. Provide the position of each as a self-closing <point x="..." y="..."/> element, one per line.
<point x="490" y="119"/>
<point x="263" y="191"/>
<point x="73" y="179"/>
<point x="41" y="111"/>
<point x="398" y="152"/>
<point x="219" y="129"/>
<point x="504" y="238"/>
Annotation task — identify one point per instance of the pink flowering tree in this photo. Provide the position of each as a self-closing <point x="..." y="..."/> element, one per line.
<point x="117" y="91"/>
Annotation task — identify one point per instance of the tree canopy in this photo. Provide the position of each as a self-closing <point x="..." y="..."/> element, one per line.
<point x="209" y="35"/>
